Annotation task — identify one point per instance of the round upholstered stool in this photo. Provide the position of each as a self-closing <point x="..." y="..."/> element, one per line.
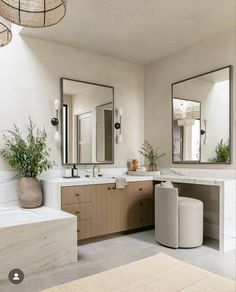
<point x="190" y="217"/>
<point x="178" y="220"/>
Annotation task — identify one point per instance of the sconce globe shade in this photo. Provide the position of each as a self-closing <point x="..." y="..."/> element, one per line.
<point x="32" y="13"/>
<point x="120" y="139"/>
<point x="57" y="104"/>
<point x="57" y="137"/>
<point x="5" y="32"/>
<point x="120" y="112"/>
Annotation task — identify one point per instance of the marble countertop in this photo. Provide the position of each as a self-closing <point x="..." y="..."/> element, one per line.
<point x="178" y="178"/>
<point x="95" y="180"/>
<point x="196" y="179"/>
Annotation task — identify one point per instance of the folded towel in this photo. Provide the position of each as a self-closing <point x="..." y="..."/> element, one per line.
<point x="121" y="182"/>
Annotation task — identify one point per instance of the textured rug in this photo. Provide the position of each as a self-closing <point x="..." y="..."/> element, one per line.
<point x="159" y="273"/>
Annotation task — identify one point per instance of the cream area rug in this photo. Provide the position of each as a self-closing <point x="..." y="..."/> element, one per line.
<point x="159" y="273"/>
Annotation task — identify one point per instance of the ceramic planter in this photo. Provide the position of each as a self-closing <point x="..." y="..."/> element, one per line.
<point x="30" y="192"/>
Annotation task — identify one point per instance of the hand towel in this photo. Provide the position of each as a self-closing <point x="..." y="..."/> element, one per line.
<point x="121" y="182"/>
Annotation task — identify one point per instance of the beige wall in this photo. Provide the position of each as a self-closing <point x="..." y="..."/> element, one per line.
<point x="29" y="82"/>
<point x="208" y="55"/>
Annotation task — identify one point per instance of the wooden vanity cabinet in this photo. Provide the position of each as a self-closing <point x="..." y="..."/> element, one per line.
<point x="102" y="209"/>
<point x="77" y="200"/>
<point x="108" y="206"/>
<point x="140" y="205"/>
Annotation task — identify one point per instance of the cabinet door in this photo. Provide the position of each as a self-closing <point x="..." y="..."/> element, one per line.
<point x="107" y="209"/>
<point x="139" y="205"/>
<point x="75" y="195"/>
<point x="140" y="188"/>
<point x="84" y="229"/>
<point x="101" y="205"/>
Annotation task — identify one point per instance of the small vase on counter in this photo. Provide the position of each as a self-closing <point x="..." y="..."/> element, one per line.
<point x="152" y="166"/>
<point x="134" y="164"/>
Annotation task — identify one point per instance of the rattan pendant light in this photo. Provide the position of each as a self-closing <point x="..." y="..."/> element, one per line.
<point x="33" y="13"/>
<point x="5" y="32"/>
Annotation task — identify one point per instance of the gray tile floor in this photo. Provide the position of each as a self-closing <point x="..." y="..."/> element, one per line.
<point x="109" y="253"/>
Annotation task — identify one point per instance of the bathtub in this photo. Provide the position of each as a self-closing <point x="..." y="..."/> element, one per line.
<point x="36" y="239"/>
<point x="17" y="216"/>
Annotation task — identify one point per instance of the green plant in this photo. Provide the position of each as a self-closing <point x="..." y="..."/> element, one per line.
<point x="150" y="153"/>
<point x="29" y="156"/>
<point x="222" y="153"/>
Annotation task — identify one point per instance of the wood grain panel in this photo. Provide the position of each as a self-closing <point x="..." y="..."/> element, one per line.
<point x="140" y="219"/>
<point x="76" y="194"/>
<point x="140" y="188"/>
<point x="82" y="210"/>
<point x="140" y="203"/>
<point x="84" y="229"/>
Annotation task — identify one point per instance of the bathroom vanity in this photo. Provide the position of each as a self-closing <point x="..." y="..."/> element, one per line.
<point x="101" y="209"/>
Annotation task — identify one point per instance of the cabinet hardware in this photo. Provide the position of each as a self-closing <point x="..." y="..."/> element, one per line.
<point x="113" y="188"/>
<point x="109" y="188"/>
<point x="77" y="212"/>
<point x="141" y="204"/>
<point x="140" y="189"/>
<point x="78" y="230"/>
<point x="77" y="195"/>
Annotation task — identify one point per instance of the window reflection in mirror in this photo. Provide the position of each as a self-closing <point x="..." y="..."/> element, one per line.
<point x="201" y="118"/>
<point x="186" y="130"/>
<point x="87" y="122"/>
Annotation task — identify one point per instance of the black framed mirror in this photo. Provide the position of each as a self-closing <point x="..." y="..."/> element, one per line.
<point x="87" y="120"/>
<point x="201" y="118"/>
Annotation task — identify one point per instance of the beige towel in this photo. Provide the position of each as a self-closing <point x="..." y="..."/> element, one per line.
<point x="121" y="182"/>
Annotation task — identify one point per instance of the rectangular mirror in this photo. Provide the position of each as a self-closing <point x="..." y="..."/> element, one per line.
<point x="201" y="118"/>
<point x="87" y="122"/>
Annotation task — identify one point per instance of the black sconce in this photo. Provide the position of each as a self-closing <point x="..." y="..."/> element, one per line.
<point x="55" y="120"/>
<point x="119" y="137"/>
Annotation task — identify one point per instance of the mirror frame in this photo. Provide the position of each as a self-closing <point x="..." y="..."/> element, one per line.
<point x="230" y="67"/>
<point x="61" y="121"/>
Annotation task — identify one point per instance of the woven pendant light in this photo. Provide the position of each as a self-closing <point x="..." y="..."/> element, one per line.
<point x="33" y="13"/>
<point x="5" y="32"/>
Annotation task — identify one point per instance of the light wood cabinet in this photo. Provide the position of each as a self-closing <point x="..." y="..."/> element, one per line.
<point x="77" y="200"/>
<point x="108" y="205"/>
<point x="140" y="205"/>
<point x="102" y="209"/>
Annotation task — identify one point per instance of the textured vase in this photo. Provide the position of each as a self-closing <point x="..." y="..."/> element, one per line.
<point x="152" y="166"/>
<point x="30" y="193"/>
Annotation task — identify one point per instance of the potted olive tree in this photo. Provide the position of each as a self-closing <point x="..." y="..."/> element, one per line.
<point x="29" y="156"/>
<point x="151" y="154"/>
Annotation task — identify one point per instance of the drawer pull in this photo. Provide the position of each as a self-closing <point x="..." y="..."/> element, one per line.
<point x="140" y="189"/>
<point x="109" y="189"/>
<point x="113" y="188"/>
<point x="77" y="195"/>
<point x="141" y="204"/>
<point x="77" y="212"/>
<point x="78" y="231"/>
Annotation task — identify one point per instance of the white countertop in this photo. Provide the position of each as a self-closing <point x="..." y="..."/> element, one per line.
<point x="178" y="178"/>
<point x="95" y="181"/>
<point x="209" y="180"/>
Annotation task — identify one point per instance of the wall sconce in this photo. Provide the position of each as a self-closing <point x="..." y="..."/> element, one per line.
<point x="119" y="137"/>
<point x="55" y="120"/>
<point x="204" y="132"/>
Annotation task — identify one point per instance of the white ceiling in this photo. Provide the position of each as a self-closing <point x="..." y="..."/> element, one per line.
<point x="140" y="31"/>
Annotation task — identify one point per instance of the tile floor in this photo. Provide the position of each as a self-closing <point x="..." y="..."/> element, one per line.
<point x="109" y="253"/>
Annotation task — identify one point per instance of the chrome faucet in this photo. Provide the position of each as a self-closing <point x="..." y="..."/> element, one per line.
<point x="94" y="167"/>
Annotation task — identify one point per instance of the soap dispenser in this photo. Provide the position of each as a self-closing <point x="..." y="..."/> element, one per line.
<point x="75" y="171"/>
